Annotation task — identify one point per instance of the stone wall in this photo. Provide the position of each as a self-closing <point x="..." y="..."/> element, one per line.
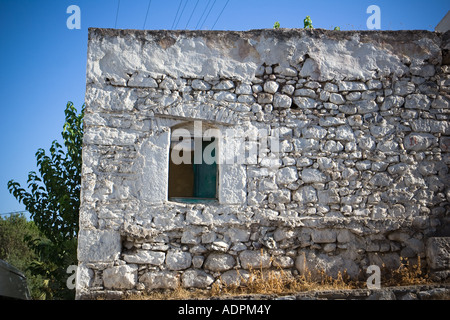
<point x="358" y="176"/>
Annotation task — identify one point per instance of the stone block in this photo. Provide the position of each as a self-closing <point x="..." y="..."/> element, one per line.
<point x="254" y="259"/>
<point x="160" y="280"/>
<point x="287" y="175"/>
<point x="438" y="253"/>
<point x="271" y="86"/>
<point x="178" y="260"/>
<point x="282" y="101"/>
<point x="419" y="141"/>
<point x="145" y="257"/>
<point x="196" y="279"/>
<point x="120" y="277"/>
<point x="417" y="101"/>
<point x="323" y="236"/>
<point x="313" y="176"/>
<point x="306" y="194"/>
<point x="219" y="262"/>
<point x="98" y="245"/>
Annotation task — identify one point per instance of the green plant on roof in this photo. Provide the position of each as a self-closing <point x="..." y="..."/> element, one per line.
<point x="337" y="28"/>
<point x="308" y="23"/>
<point x="276" y="25"/>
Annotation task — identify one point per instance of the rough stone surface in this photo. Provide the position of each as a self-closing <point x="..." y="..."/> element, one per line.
<point x="438" y="253"/>
<point x="120" y="277"/>
<point x="160" y="280"/>
<point x="254" y="259"/>
<point x="178" y="260"/>
<point x="333" y="152"/>
<point x="196" y="279"/>
<point x="219" y="262"/>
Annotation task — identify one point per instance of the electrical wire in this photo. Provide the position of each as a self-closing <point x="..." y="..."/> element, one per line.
<point x="181" y="14"/>
<point x="220" y="14"/>
<point x="208" y="14"/>
<point x="207" y="5"/>
<point x="191" y="14"/>
<point x="178" y="10"/>
<point x="117" y="14"/>
<point x="146" y="15"/>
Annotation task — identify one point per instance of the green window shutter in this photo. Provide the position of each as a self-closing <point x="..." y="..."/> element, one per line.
<point x="205" y="176"/>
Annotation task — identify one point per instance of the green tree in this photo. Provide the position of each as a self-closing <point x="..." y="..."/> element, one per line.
<point x="276" y="25"/>
<point x="15" y="231"/>
<point x="53" y="200"/>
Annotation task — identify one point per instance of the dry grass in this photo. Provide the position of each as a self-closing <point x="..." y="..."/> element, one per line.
<point x="282" y="282"/>
<point x="406" y="274"/>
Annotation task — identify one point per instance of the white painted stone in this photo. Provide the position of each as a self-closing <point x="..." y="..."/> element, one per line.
<point x="286" y="71"/>
<point x="305" y="93"/>
<point x="120" y="277"/>
<point x="254" y="259"/>
<point x="306" y="194"/>
<point x="153" y="165"/>
<point x="287" y="175"/>
<point x="305" y="103"/>
<point x="225" y="96"/>
<point x="417" y="101"/>
<point x="98" y="245"/>
<point x="234" y="277"/>
<point x="168" y="84"/>
<point x="140" y="79"/>
<point x="219" y="262"/>
<point x="419" y="141"/>
<point x="196" y="279"/>
<point x="198" y="84"/>
<point x="352" y="86"/>
<point x="330" y="87"/>
<point x="160" y="280"/>
<point x="336" y="98"/>
<point x="332" y="146"/>
<point x="271" y="86"/>
<point x="403" y="88"/>
<point x="304" y="145"/>
<point x="288" y="89"/>
<point x="282" y="101"/>
<point x="244" y="88"/>
<point x="392" y="101"/>
<point x="220" y="246"/>
<point x="331" y="121"/>
<point x="381" y="180"/>
<point x="224" y="85"/>
<point x="313" y="176"/>
<point x="145" y="257"/>
<point x="366" y="106"/>
<point x="178" y="260"/>
<point x="314" y="132"/>
<point x="345" y="133"/>
<point x="367" y="143"/>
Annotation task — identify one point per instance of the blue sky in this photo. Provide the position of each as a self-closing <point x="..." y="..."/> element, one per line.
<point x="43" y="63"/>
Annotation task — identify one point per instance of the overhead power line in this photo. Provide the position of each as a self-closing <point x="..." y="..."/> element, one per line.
<point x="189" y="20"/>
<point x="146" y="15"/>
<point x="181" y="14"/>
<point x="220" y="14"/>
<point x="203" y="13"/>
<point x="176" y="15"/>
<point x="201" y="27"/>
<point x="117" y="14"/>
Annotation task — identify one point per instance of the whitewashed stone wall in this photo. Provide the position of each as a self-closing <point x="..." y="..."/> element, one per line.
<point x="360" y="175"/>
